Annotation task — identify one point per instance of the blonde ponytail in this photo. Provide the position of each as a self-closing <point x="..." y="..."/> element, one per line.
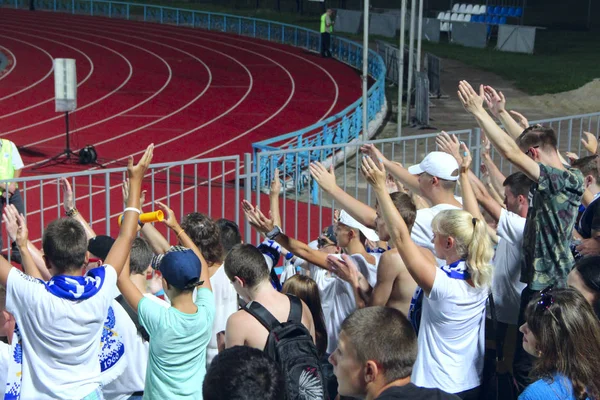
<point x="472" y="242"/>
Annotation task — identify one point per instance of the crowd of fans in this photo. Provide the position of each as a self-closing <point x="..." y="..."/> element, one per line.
<point x="394" y="302"/>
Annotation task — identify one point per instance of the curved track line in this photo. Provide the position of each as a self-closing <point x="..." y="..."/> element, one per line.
<point x="52" y="98"/>
<point x="12" y="67"/>
<point x="96" y="101"/>
<point x="35" y="83"/>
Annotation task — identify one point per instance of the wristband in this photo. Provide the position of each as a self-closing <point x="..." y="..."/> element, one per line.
<point x="71" y="212"/>
<point x="161" y="292"/>
<point x="132" y="209"/>
<point x="180" y="232"/>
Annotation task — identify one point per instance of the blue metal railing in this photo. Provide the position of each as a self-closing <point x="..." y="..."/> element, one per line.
<point x="341" y="128"/>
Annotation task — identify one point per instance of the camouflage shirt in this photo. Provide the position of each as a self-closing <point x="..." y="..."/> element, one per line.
<point x="553" y="205"/>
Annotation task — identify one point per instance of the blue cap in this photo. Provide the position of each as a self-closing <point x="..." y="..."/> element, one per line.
<point x="180" y="267"/>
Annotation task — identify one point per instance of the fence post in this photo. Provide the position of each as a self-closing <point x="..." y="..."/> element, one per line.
<point x="248" y="189"/>
<point x="106" y="201"/>
<point x="127" y="11"/>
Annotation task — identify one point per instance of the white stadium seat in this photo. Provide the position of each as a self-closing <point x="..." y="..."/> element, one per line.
<point x="469" y="9"/>
<point x="461" y="17"/>
<point x="447" y="16"/>
<point x="444" y="27"/>
<point x="482" y="9"/>
<point x="467" y="17"/>
<point x="441" y="16"/>
<point x="454" y="17"/>
<point x="462" y="8"/>
<point x="455" y="7"/>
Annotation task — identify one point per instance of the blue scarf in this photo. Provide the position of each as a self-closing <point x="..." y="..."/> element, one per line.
<point x="456" y="270"/>
<point x="15" y="367"/>
<point x="76" y="287"/>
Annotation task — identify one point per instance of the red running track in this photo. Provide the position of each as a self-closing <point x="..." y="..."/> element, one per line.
<point x="194" y="93"/>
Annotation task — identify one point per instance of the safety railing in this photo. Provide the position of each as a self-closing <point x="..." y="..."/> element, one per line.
<point x="210" y="185"/>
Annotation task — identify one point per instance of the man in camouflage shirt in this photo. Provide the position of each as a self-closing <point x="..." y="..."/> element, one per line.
<point x="554" y="200"/>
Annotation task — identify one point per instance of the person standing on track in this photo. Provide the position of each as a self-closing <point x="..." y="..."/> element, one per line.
<point x="11" y="166"/>
<point x="326" y="30"/>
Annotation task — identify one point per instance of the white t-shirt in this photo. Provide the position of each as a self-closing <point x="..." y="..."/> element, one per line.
<point x="136" y="356"/>
<point x="506" y="280"/>
<point x="452" y="336"/>
<point x="226" y="304"/>
<point x="421" y="232"/>
<point x="5" y="352"/>
<point x="60" y="337"/>
<point x="337" y="296"/>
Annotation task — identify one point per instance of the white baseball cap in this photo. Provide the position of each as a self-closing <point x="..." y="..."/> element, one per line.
<point x="347" y="220"/>
<point x="439" y="164"/>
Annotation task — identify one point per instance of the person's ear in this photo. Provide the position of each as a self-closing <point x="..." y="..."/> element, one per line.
<point x="588" y="181"/>
<point x="449" y="242"/>
<point x="371" y="372"/>
<point x="239" y="281"/>
<point x="522" y="199"/>
<point x="435" y="180"/>
<point x="165" y="284"/>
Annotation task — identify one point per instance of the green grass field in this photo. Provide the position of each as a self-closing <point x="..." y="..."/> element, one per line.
<point x="563" y="60"/>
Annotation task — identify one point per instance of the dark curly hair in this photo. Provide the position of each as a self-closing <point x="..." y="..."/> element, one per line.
<point x="205" y="234"/>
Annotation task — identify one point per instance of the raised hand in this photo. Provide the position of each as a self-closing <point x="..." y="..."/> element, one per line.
<point x="470" y="99"/>
<point x="275" y="184"/>
<point x="374" y="173"/>
<point x="373" y="152"/>
<point x="590" y="142"/>
<point x="256" y="218"/>
<point x="449" y="144"/>
<point x="9" y="219"/>
<point x="138" y="170"/>
<point x="495" y="101"/>
<point x="325" y="179"/>
<point x="466" y="158"/>
<point x="68" y="200"/>
<point x="345" y="268"/>
<point x="22" y="236"/>
<point x="571" y="156"/>
<point x="520" y="118"/>
<point x="486" y="146"/>
<point x="125" y="192"/>
<point x="170" y="219"/>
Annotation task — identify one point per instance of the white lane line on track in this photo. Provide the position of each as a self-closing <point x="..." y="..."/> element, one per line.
<point x="12" y="67"/>
<point x="155" y="93"/>
<point x="51" y="98"/>
<point x="38" y="81"/>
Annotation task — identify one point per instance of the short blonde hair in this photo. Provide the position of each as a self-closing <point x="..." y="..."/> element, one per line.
<point x="473" y="243"/>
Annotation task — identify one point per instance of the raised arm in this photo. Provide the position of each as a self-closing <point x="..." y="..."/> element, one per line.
<point x="496" y="103"/>
<point x="265" y="225"/>
<point x="274" y="198"/>
<point x="357" y="209"/>
<point x="185" y="241"/>
<point x="71" y="211"/>
<point x="496" y="176"/>
<point x="393" y="168"/>
<point x="508" y="148"/>
<point x="345" y="268"/>
<point x="489" y="204"/>
<point x="120" y="250"/>
<point x="421" y="269"/>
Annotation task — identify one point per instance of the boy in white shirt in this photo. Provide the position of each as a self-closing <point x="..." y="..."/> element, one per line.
<point x="60" y="322"/>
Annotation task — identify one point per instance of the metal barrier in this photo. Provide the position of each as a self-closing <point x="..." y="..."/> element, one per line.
<point x="186" y="186"/>
<point x="434" y="71"/>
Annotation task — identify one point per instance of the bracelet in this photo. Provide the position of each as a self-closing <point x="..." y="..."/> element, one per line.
<point x="132" y="209"/>
<point x="180" y="232"/>
<point x="71" y="212"/>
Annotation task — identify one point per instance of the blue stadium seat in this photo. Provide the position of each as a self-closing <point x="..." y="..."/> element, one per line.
<point x="488" y="19"/>
<point x="497" y="10"/>
<point x="502" y="21"/>
<point x="477" y="18"/>
<point x="495" y="20"/>
<point x="518" y="12"/>
<point x="503" y="11"/>
<point x="511" y="12"/>
<point x="490" y="10"/>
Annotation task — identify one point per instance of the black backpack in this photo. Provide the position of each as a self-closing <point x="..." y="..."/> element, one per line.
<point x="291" y="346"/>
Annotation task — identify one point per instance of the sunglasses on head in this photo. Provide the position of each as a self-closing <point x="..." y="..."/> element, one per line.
<point x="323" y="242"/>
<point x="532" y="127"/>
<point x="546" y="299"/>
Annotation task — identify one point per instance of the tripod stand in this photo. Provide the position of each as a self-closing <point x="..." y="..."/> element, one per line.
<point x="67" y="156"/>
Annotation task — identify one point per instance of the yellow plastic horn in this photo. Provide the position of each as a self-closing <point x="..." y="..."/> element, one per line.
<point x="153" y="216"/>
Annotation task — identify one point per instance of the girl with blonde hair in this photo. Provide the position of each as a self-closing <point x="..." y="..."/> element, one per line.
<point x="451" y="334"/>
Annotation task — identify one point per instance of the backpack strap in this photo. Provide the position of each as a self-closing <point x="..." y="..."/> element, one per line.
<point x="262" y="315"/>
<point x="295" y="309"/>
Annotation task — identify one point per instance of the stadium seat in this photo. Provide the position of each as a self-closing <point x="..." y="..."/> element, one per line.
<point x="445" y="27"/>
<point x="461" y="18"/>
<point x="490" y="10"/>
<point x="441" y="15"/>
<point x="497" y="10"/>
<point x="488" y="19"/>
<point x="495" y="20"/>
<point x="503" y="11"/>
<point x="482" y="9"/>
<point x="511" y="11"/>
<point x="475" y="18"/>
<point x="454" y="17"/>
<point x="469" y="9"/>
<point x="467" y="18"/>
<point x="518" y="12"/>
<point x="447" y="16"/>
<point x="502" y="21"/>
<point x="462" y="8"/>
<point x="455" y="7"/>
